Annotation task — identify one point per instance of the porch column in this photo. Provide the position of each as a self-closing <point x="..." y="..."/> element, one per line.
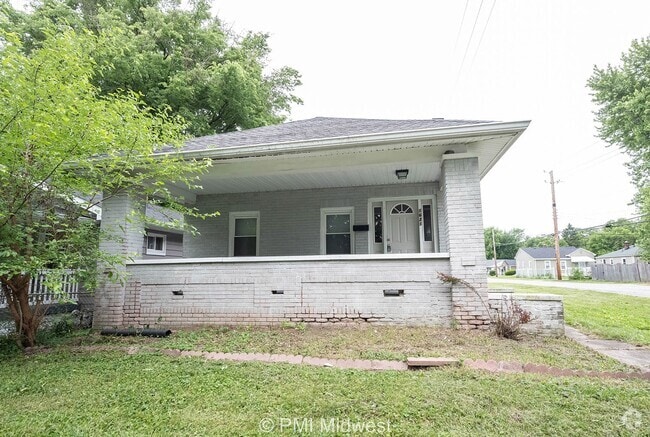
<point x="463" y="219"/>
<point x="122" y="234"/>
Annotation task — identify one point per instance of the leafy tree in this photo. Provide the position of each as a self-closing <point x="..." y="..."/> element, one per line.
<point x="612" y="237"/>
<point x="574" y="237"/>
<point x="507" y="242"/>
<point x="542" y="241"/>
<point x="621" y="94"/>
<point x="183" y="59"/>
<point x="60" y="143"/>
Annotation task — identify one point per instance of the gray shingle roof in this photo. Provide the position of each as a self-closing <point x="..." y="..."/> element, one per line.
<point x="631" y="251"/>
<point x="548" y="252"/>
<point x="318" y="128"/>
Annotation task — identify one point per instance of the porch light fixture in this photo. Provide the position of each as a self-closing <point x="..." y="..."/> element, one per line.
<point x="402" y="174"/>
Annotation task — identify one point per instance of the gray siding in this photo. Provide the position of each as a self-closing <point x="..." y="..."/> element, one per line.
<point x="174" y="245"/>
<point x="289" y="220"/>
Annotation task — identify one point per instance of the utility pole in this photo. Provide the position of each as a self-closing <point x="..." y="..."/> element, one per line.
<point x="494" y="253"/>
<point x="556" y="234"/>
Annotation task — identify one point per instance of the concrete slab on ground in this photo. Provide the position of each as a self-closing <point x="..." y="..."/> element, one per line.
<point x="626" y="353"/>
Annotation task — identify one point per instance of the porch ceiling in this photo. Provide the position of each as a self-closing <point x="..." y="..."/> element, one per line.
<point x="308" y="171"/>
<point x="356" y="165"/>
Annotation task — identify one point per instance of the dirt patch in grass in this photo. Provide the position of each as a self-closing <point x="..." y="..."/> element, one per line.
<point x="372" y="342"/>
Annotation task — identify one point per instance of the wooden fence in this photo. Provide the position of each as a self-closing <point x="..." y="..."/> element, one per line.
<point x="38" y="289"/>
<point x="637" y="272"/>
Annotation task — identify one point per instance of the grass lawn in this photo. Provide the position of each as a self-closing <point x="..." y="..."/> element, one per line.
<point x="108" y="393"/>
<point x="607" y="315"/>
<point x="368" y="342"/>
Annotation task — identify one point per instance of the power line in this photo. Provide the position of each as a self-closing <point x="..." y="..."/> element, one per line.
<point x="462" y="21"/>
<point x="594" y="161"/>
<point x="469" y="42"/>
<point x="478" y="46"/>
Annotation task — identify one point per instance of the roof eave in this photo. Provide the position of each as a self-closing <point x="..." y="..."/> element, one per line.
<point x="334" y="143"/>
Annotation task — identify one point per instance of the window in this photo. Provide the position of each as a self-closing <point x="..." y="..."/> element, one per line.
<point x="563" y="266"/>
<point x="336" y="231"/>
<point x="547" y="266"/>
<point x="156" y="244"/>
<point x="244" y="233"/>
<point x="428" y="227"/>
<point x="402" y="208"/>
<point x="624" y="261"/>
<point x="379" y="226"/>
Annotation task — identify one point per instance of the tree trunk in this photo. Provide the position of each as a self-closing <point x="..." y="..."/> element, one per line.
<point x="26" y="318"/>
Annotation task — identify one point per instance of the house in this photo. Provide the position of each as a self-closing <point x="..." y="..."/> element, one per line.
<point x="541" y="262"/>
<point x="159" y="240"/>
<point x="629" y="254"/>
<point x="321" y="220"/>
<point x="503" y="265"/>
<point x="624" y="265"/>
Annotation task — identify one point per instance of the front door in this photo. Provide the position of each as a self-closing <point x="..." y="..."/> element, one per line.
<point x="403" y="227"/>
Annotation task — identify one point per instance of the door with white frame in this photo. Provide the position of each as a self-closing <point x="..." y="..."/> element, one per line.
<point x="406" y="225"/>
<point x="403" y="234"/>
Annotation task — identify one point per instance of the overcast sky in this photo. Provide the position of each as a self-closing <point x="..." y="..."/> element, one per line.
<point x="505" y="60"/>
<point x="413" y="59"/>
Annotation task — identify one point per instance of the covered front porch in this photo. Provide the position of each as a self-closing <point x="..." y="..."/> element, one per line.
<point x="339" y="229"/>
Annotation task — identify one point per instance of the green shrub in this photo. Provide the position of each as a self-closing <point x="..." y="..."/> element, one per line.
<point x="512" y="272"/>
<point x="62" y="325"/>
<point x="577" y="275"/>
<point x="493" y="273"/>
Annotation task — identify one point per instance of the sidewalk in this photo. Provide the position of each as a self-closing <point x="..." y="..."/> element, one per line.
<point x="626" y="353"/>
<point x="637" y="289"/>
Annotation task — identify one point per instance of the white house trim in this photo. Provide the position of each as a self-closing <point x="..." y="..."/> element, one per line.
<point x="315" y="258"/>
<point x="385" y="213"/>
<point x="155" y="251"/>
<point x="324" y="212"/>
<point x="231" y="229"/>
<point x="443" y="133"/>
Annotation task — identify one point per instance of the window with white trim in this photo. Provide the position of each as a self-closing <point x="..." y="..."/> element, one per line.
<point x="336" y="231"/>
<point x="244" y="233"/>
<point x="156" y="244"/>
<point x="379" y="224"/>
<point x="547" y="266"/>
<point x="401" y="208"/>
<point x="427" y="219"/>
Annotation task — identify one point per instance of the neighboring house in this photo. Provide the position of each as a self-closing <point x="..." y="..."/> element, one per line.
<point x="503" y="265"/>
<point x="540" y="261"/>
<point x="629" y="254"/>
<point x="321" y="220"/>
<point x="159" y="240"/>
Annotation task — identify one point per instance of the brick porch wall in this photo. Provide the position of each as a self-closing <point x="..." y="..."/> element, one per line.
<point x="312" y="291"/>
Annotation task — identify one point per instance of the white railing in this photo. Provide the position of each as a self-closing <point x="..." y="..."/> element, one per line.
<point x="39" y="291"/>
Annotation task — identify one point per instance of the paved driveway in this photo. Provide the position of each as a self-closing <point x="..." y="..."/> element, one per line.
<point x="640" y="290"/>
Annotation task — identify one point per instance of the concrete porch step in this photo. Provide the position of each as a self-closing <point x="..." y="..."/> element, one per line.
<point x="424" y="362"/>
